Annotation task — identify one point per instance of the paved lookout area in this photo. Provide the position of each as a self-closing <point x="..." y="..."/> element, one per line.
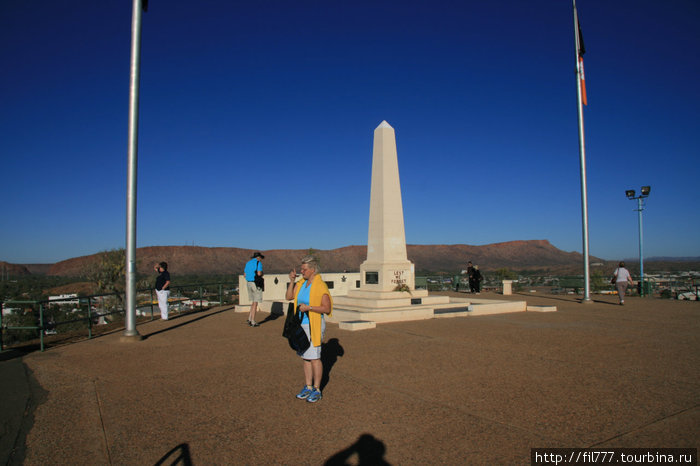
<point x="207" y="389"/>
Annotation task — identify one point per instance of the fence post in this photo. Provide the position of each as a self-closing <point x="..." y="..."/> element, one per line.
<point x="221" y="294"/>
<point x="89" y="318"/>
<point x="41" y="326"/>
<point x="201" y="305"/>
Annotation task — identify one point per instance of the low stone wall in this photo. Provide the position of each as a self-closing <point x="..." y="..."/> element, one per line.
<point x="276" y="286"/>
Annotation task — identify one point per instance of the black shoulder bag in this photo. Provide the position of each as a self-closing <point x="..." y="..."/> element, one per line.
<point x="259" y="280"/>
<point x="293" y="332"/>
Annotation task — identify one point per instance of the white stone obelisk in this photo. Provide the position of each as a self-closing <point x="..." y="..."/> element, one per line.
<point x="387" y="287"/>
<point x="387" y="265"/>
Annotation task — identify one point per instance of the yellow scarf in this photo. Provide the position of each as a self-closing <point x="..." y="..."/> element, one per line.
<point x="318" y="289"/>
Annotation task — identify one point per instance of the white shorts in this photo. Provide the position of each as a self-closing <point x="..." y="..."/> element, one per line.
<point x="254" y="293"/>
<point x="314" y="352"/>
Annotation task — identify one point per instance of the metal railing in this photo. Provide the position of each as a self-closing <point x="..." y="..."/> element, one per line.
<point x="455" y="282"/>
<point x="24" y="319"/>
<point x="672" y="286"/>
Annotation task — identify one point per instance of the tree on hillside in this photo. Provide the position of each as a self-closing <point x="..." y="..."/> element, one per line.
<point x="505" y="274"/>
<point x="109" y="272"/>
<point x="598" y="281"/>
<point x="313" y="252"/>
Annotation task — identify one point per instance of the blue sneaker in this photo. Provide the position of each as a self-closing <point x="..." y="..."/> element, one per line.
<point x="314" y="396"/>
<point x="304" y="393"/>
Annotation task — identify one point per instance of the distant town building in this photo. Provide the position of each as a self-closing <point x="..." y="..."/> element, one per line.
<point x="6" y="310"/>
<point x="65" y="299"/>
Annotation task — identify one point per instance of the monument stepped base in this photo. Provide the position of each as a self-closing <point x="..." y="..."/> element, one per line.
<point x="356" y="325"/>
<point x="351" y="309"/>
<point x="542" y="308"/>
<point x="353" y="313"/>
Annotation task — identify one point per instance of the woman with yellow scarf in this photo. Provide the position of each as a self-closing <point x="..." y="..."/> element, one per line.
<point x="312" y="298"/>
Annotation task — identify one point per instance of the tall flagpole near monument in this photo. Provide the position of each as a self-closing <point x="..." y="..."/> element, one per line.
<point x="582" y="100"/>
<point x="130" y="332"/>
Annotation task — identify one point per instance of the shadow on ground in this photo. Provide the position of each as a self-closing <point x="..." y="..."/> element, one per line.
<point x="146" y="336"/>
<point x="330" y="352"/>
<point x="368" y="449"/>
<point x="178" y="455"/>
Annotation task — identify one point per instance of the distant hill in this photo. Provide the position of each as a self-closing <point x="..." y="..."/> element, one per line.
<point x="7" y="269"/>
<point x="38" y="269"/>
<point x="532" y="255"/>
<point x="666" y="264"/>
<point x="516" y="255"/>
<point x="668" y="259"/>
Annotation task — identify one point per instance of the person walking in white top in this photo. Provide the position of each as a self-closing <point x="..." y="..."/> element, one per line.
<point x="622" y="280"/>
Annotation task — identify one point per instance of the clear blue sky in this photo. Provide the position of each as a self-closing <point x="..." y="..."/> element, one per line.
<point x="250" y="108"/>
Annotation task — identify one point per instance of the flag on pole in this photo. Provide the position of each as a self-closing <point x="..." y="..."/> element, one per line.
<point x="583" y="82"/>
<point x="581" y="51"/>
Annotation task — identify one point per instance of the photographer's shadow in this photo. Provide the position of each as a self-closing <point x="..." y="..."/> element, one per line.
<point x="366" y="451"/>
<point x="330" y="352"/>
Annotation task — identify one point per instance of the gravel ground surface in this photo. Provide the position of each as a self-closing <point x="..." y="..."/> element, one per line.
<point x="205" y="388"/>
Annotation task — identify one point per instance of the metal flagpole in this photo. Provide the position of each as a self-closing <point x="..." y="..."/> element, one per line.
<point x="582" y="152"/>
<point x="130" y="331"/>
<point x="640" y="207"/>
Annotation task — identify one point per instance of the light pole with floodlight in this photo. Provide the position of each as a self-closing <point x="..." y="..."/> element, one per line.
<point x="640" y="207"/>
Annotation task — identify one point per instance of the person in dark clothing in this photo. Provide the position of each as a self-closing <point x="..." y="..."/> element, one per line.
<point x="163" y="288"/>
<point x="475" y="280"/>
<point x="470" y="276"/>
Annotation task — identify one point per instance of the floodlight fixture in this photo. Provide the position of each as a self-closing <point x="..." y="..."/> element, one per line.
<point x="631" y="195"/>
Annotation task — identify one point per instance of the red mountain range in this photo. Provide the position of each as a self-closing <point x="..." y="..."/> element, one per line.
<point x="515" y="255"/>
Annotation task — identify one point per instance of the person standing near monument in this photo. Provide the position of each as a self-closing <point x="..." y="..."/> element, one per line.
<point x="254" y="268"/>
<point x="470" y="276"/>
<point x="311" y="296"/>
<point x="162" y="288"/>
<point x="475" y="280"/>
<point x="622" y="278"/>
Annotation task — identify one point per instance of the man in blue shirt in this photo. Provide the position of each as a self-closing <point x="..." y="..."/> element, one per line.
<point x="252" y="268"/>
